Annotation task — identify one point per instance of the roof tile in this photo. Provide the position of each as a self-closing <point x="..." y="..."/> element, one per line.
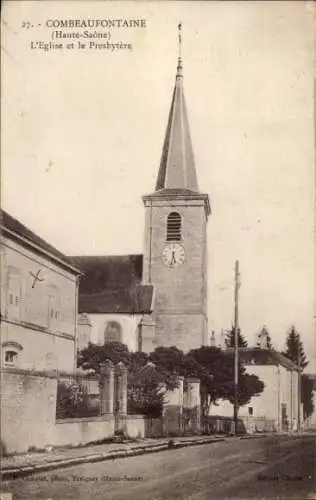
<point x="15" y="226"/>
<point x="112" y="284"/>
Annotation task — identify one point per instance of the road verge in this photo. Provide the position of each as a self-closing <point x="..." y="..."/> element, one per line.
<point x="17" y="472"/>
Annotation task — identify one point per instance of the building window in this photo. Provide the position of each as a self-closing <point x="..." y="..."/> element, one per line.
<point x="113" y="332"/>
<point x="54" y="306"/>
<point x="13" y="293"/>
<point x="174" y="227"/>
<point x="10" y="357"/>
<point x="10" y="351"/>
<point x="250" y="410"/>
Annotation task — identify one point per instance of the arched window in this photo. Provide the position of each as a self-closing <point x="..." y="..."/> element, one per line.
<point x="113" y="332"/>
<point x="13" y="293"/>
<point x="174" y="227"/>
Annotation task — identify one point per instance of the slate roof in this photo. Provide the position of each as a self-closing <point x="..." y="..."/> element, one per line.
<point x="112" y="284"/>
<point x="14" y="229"/>
<point x="177" y="168"/>
<point x="177" y="174"/>
<point x="259" y="356"/>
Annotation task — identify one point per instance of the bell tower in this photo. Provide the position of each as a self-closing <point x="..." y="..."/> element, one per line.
<point x="175" y="253"/>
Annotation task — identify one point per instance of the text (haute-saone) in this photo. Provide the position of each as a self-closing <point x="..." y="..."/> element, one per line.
<point x="84" y="34"/>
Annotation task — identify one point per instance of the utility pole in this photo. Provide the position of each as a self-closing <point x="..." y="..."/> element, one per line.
<point x="299" y="386"/>
<point x="236" y="332"/>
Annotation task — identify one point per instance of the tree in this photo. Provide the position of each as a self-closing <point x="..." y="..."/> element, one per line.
<point x="215" y="385"/>
<point x="307" y="395"/>
<point x="219" y="384"/>
<point x="248" y="387"/>
<point x="175" y="363"/>
<point x="264" y="339"/>
<point x="230" y="339"/>
<point x="145" y="392"/>
<point x="294" y="349"/>
<point x="146" y="382"/>
<point x="92" y="356"/>
<point x="169" y="359"/>
<point x="149" y="376"/>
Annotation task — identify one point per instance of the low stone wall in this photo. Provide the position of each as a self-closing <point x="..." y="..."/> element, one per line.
<point x="154" y="427"/>
<point x="73" y="431"/>
<point x="258" y="424"/>
<point x="135" y="426"/>
<point x="219" y="424"/>
<point x="215" y="424"/>
<point x="28" y="408"/>
<point x="28" y="414"/>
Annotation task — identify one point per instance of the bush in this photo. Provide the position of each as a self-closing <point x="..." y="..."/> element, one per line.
<point x="73" y="401"/>
<point x="150" y="409"/>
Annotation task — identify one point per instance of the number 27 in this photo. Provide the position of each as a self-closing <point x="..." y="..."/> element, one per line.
<point x="27" y="25"/>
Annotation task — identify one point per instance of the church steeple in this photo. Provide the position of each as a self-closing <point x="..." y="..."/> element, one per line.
<point x="177" y="167"/>
<point x="175" y="250"/>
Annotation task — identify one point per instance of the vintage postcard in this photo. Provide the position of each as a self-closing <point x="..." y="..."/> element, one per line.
<point x="158" y="250"/>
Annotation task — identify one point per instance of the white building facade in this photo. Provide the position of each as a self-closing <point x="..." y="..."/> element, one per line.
<point x="278" y="403"/>
<point x="39" y="297"/>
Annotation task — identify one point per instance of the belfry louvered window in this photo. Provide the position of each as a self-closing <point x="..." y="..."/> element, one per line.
<point x="174" y="227"/>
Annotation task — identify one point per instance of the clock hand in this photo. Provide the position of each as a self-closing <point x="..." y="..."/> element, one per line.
<point x="173" y="260"/>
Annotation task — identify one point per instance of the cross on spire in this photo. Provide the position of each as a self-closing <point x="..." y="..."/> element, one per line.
<point x="179" y="68"/>
<point x="179" y="38"/>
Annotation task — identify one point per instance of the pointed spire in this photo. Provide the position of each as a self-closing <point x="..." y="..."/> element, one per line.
<point x="177" y="167"/>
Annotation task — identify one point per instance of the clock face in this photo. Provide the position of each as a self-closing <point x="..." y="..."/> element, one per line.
<point x="173" y="255"/>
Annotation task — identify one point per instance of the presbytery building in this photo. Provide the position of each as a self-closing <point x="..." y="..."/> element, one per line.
<point x="277" y="407"/>
<point x="39" y="296"/>
<point x="158" y="298"/>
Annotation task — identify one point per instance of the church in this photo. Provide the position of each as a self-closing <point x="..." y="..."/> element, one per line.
<point x="158" y="298"/>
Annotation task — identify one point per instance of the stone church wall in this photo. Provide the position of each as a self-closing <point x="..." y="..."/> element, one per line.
<point x="180" y="310"/>
<point x="183" y="331"/>
<point x="127" y="323"/>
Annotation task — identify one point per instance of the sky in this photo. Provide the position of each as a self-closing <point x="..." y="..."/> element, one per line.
<point x="82" y="134"/>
